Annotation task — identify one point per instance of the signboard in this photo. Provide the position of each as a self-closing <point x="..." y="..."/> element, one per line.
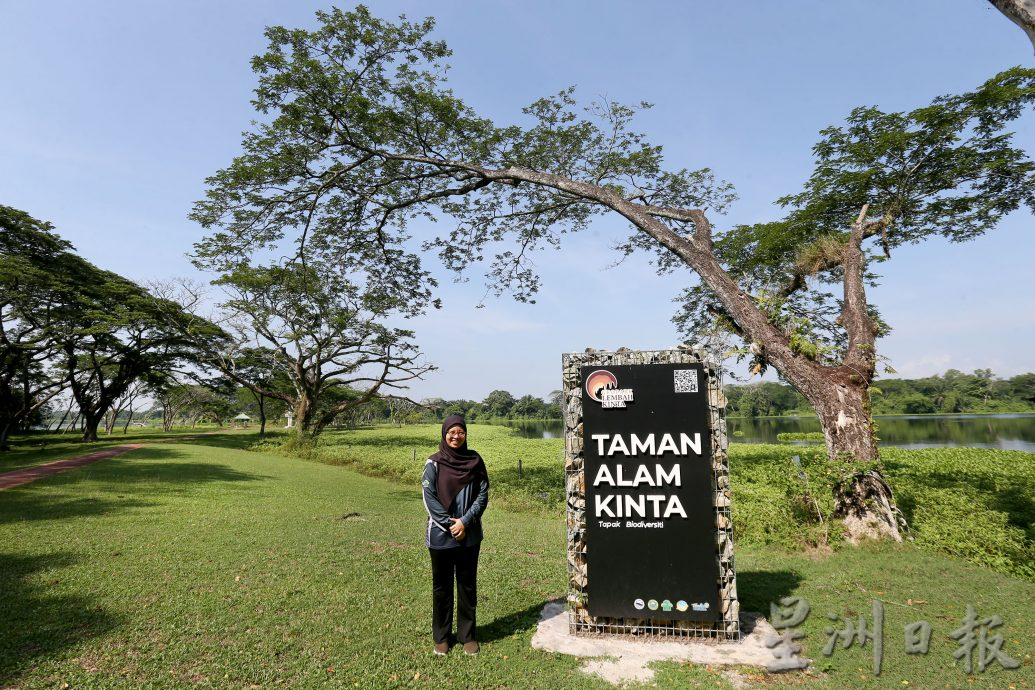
<point x="650" y="523"/>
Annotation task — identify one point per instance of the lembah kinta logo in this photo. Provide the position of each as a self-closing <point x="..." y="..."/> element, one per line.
<point x="602" y="387"/>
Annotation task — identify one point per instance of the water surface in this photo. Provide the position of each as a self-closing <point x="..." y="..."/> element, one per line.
<point x="1005" y="431"/>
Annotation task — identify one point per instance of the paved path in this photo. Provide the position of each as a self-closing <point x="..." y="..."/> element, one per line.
<point x="24" y="476"/>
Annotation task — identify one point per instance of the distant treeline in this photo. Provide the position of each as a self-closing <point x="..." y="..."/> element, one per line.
<point x="951" y="392"/>
<point x="499" y="404"/>
<point x="948" y="393"/>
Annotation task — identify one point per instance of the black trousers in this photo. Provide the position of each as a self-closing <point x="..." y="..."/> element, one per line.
<point x="461" y="563"/>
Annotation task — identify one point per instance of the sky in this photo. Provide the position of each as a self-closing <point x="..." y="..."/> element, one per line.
<point x="113" y="113"/>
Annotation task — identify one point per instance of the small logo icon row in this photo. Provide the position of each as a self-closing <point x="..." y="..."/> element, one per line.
<point x="665" y="605"/>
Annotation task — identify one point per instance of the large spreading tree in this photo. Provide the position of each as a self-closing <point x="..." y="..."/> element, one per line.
<point x="359" y="136"/>
<point x="309" y="321"/>
<point x="68" y="323"/>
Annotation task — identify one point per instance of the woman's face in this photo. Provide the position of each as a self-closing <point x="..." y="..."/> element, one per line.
<point x="455" y="436"/>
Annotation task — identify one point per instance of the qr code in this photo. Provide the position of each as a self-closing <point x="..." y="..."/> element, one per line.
<point x="685" y="380"/>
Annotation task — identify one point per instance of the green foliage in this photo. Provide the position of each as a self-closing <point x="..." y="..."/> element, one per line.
<point x="324" y="349"/>
<point x="985" y="538"/>
<point x="946" y="169"/>
<point x="764" y="399"/>
<point x="801" y="345"/>
<point x="974" y="504"/>
<point x="359" y="131"/>
<point x="775" y="501"/>
<point x="68" y="323"/>
<point x="792" y="436"/>
<point x="948" y="393"/>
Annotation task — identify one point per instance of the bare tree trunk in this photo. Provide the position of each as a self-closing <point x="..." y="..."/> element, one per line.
<point x="305" y="418"/>
<point x="1020" y="12"/>
<point x="262" y="416"/>
<point x="861" y="495"/>
<point x="129" y="418"/>
<point x="90" y="424"/>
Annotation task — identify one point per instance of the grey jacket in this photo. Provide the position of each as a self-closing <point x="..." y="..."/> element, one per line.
<point x="468" y="505"/>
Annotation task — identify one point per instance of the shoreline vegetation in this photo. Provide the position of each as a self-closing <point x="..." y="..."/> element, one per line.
<point x="968" y="503"/>
<point x="946" y="415"/>
<point x="953" y="392"/>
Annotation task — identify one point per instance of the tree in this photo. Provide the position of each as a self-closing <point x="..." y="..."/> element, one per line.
<point x="529" y="407"/>
<point x="175" y="398"/>
<point x="323" y="331"/>
<point x="498" y="403"/>
<point x="79" y="326"/>
<point x="32" y="292"/>
<point x="1022" y="387"/>
<point x="755" y="402"/>
<point x="259" y="365"/>
<point x="124" y="403"/>
<point x="555" y="404"/>
<point x="360" y="135"/>
<point x="120" y="334"/>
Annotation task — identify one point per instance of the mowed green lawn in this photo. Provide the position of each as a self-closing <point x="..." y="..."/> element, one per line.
<point x="189" y="565"/>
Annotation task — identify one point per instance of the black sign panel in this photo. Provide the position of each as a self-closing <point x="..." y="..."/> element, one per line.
<point x="650" y="525"/>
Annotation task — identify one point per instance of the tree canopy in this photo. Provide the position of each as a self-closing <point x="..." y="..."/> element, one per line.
<point x="359" y="137"/>
<point x="312" y="326"/>
<point x="67" y="323"/>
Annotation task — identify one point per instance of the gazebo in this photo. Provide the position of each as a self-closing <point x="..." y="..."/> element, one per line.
<point x="241" y="421"/>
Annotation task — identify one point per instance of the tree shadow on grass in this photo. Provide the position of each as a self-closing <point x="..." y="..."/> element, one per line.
<point x="25" y="506"/>
<point x="232" y="441"/>
<point x="756" y="589"/>
<point x="36" y="622"/>
<point x="1016" y="501"/>
<point x="124" y="482"/>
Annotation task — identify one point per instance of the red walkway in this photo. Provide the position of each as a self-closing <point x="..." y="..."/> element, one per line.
<point x="19" y="477"/>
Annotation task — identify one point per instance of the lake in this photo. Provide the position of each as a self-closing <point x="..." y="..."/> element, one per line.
<point x="1005" y="431"/>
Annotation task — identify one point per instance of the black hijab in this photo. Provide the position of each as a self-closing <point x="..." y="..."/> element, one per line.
<point x="457" y="467"/>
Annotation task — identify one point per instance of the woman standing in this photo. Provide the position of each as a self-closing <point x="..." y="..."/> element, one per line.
<point x="456" y="492"/>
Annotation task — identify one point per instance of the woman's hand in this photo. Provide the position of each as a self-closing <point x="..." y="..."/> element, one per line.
<point x="457" y="529"/>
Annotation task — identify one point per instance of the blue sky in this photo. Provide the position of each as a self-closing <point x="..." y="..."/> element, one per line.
<point x="113" y="113"/>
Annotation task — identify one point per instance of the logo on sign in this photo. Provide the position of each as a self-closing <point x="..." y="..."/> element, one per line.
<point x="602" y="387"/>
<point x="638" y="604"/>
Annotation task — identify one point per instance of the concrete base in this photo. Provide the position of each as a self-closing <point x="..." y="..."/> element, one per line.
<point x="628" y="656"/>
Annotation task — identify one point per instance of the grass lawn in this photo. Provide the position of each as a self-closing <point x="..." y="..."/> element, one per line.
<point x="38" y="448"/>
<point x="198" y="564"/>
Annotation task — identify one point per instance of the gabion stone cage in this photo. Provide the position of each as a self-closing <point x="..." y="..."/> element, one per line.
<point x="579" y="588"/>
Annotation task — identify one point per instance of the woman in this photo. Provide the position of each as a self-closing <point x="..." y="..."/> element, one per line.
<point x="456" y="491"/>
